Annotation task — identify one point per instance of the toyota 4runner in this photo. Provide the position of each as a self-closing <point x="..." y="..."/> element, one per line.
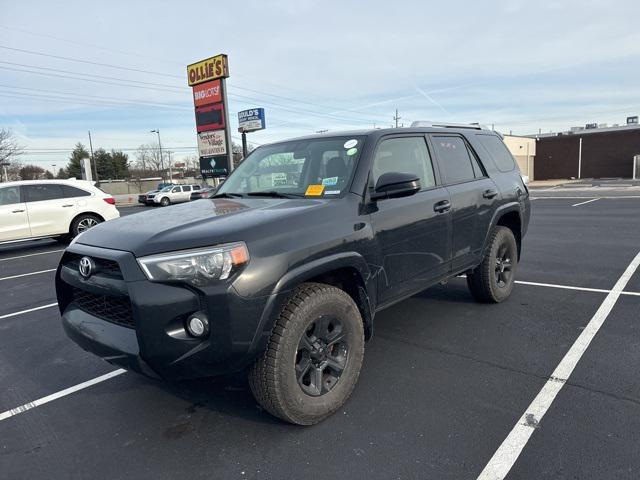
<point x="283" y="270"/>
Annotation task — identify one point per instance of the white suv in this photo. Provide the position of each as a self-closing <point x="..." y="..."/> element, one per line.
<point x="51" y="208"/>
<point x="173" y="194"/>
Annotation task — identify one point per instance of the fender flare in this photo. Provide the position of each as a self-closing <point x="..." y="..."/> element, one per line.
<point x="500" y="211"/>
<point x="303" y="273"/>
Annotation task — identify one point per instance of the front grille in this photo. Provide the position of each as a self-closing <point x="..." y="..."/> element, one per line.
<point x="103" y="266"/>
<point x="112" y="309"/>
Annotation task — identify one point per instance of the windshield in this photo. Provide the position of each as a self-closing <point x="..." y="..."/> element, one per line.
<point x="313" y="168"/>
<point x="166" y="189"/>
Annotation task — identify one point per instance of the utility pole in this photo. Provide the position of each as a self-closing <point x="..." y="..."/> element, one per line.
<point x="4" y="169"/>
<point x="93" y="163"/>
<point x="157" y="130"/>
<point x="396" y="118"/>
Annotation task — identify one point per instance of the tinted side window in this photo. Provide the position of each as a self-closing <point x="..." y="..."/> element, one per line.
<point x="196" y="187"/>
<point x="454" y="159"/>
<point x="498" y="151"/>
<point x="9" y="195"/>
<point x="186" y="188"/>
<point x="404" y="155"/>
<point x="176" y="190"/>
<point x="71" y="192"/>
<point x="477" y="168"/>
<point x="38" y="193"/>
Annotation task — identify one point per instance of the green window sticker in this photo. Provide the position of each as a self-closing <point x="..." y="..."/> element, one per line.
<point x="352" y="151"/>
<point x="330" y="181"/>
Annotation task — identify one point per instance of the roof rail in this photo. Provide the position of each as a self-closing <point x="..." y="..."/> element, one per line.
<point x="429" y="124"/>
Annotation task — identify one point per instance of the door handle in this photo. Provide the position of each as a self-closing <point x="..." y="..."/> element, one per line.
<point x="65" y="206"/>
<point x="17" y="211"/>
<point x="491" y="193"/>
<point x="443" y="206"/>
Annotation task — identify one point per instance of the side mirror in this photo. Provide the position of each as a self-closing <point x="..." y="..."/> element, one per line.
<point x="396" y="185"/>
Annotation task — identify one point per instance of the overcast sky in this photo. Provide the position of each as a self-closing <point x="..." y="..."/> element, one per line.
<point x="313" y="65"/>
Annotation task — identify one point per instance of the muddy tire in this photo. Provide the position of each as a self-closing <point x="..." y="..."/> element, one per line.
<point x="493" y="280"/>
<point x="313" y="358"/>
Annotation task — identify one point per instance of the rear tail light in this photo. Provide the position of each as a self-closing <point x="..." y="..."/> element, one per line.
<point x="110" y="200"/>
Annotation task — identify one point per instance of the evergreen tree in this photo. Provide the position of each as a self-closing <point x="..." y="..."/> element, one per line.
<point x="73" y="167"/>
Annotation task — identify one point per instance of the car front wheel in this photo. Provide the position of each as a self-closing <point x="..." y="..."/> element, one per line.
<point x="165" y="202"/>
<point x="313" y="358"/>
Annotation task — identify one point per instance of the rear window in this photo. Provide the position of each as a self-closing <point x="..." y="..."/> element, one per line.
<point x="455" y="160"/>
<point x="498" y="151"/>
<point x="70" y="192"/>
<point x="39" y="193"/>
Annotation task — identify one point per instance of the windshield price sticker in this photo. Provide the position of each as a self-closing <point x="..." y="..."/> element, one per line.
<point x="314" y="190"/>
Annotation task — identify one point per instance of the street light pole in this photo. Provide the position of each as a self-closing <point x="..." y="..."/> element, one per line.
<point x="157" y="130"/>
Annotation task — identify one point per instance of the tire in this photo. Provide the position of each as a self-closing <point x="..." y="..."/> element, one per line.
<point x="285" y="379"/>
<point x="493" y="280"/>
<point x="82" y="223"/>
<point x="165" y="202"/>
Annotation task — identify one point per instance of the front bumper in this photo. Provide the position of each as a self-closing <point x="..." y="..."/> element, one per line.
<point x="150" y="338"/>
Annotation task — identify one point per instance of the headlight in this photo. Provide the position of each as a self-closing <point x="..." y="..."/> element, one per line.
<point x="197" y="267"/>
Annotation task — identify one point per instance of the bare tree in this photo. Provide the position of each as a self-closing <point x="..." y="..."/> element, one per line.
<point x="10" y="149"/>
<point x="148" y="158"/>
<point x="9" y="146"/>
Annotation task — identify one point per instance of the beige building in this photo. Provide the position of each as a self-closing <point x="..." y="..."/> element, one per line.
<point x="523" y="150"/>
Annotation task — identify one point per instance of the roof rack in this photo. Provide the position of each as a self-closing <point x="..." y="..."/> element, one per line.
<point x="429" y="124"/>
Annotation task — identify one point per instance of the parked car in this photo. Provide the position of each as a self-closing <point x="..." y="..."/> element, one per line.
<point x="147" y="198"/>
<point x="51" y="208"/>
<point x="204" y="192"/>
<point x="174" y="194"/>
<point x="282" y="272"/>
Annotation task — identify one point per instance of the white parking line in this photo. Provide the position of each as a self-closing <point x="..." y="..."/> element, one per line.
<point x="569" y="287"/>
<point x="27" y="311"/>
<point x="27" y="274"/>
<point x="588" y="201"/>
<point x="60" y="394"/>
<point x="30" y="255"/>
<point x="509" y="451"/>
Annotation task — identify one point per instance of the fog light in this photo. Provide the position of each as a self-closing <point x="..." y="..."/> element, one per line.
<point x="198" y="325"/>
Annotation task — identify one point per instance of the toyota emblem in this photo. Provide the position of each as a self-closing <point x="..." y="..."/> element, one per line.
<point x="86" y="267"/>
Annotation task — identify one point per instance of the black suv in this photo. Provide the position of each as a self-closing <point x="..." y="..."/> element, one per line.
<point x="282" y="271"/>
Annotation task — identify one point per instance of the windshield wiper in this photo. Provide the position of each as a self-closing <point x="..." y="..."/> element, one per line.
<point x="227" y="195"/>
<point x="273" y="194"/>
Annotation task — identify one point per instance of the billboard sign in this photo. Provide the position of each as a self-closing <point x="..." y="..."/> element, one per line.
<point x="207" y="93"/>
<point x="251" y="120"/>
<point x="212" y="143"/>
<point x="209" y="69"/>
<point x="632" y="120"/>
<point x="210" y="117"/>
<point x="215" y="167"/>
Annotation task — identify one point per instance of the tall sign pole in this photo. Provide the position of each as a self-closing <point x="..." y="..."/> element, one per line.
<point x="208" y="81"/>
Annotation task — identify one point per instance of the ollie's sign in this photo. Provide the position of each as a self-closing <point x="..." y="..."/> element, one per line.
<point x="209" y="69"/>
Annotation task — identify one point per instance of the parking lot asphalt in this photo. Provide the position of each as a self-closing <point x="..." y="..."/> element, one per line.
<point x="445" y="380"/>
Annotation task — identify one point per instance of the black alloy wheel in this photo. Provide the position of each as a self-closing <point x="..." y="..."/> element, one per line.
<point x="322" y="356"/>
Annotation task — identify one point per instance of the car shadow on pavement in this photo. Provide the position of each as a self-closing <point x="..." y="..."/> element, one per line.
<point x="227" y="396"/>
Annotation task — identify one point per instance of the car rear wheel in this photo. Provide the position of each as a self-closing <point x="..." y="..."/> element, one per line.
<point x="313" y="358"/>
<point x="492" y="281"/>
<point x="84" y="222"/>
<point x="165" y="202"/>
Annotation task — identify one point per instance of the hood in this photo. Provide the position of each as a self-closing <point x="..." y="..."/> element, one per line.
<point x="195" y="224"/>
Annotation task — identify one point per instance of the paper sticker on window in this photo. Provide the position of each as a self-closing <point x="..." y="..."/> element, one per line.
<point x="314" y="190"/>
<point x="350" y="143"/>
<point x="278" y="179"/>
<point x="352" y="151"/>
<point x="332" y="192"/>
<point x="330" y="181"/>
